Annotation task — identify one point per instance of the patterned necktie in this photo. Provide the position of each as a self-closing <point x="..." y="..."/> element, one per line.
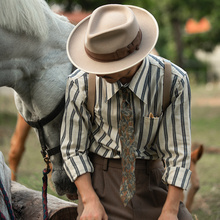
<point x="126" y="133"/>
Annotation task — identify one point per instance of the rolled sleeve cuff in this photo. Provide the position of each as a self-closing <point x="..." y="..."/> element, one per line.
<point x="77" y="166"/>
<point x="177" y="176"/>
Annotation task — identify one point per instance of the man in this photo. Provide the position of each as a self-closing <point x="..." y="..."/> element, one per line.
<point x="116" y="161"/>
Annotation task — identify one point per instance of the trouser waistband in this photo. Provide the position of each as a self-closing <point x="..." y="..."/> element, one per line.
<point x="116" y="163"/>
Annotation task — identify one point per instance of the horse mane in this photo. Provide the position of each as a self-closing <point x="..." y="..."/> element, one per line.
<point x="25" y="16"/>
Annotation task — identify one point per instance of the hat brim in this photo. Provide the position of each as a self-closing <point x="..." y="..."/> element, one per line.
<point x="80" y="59"/>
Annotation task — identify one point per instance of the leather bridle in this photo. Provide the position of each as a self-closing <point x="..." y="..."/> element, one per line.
<point x="39" y="125"/>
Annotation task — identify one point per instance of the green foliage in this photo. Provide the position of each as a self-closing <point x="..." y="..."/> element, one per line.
<point x="87" y="5"/>
<point x="173" y="43"/>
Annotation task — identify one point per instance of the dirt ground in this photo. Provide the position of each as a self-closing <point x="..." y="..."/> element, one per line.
<point x="207" y="101"/>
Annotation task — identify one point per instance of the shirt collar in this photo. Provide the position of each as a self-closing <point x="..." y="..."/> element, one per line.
<point x="136" y="85"/>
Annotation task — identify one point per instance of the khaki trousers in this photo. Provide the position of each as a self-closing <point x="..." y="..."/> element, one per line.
<point x="150" y="193"/>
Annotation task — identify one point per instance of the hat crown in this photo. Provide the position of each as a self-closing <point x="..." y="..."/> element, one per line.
<point x="112" y="39"/>
<point x="110" y="28"/>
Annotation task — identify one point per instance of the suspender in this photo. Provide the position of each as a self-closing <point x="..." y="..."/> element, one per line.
<point x="166" y="85"/>
<point x="166" y="89"/>
<point x="91" y="94"/>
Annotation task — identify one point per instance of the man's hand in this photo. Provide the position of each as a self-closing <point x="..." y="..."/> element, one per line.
<point x="93" y="209"/>
<point x="171" y="207"/>
<point x="167" y="215"/>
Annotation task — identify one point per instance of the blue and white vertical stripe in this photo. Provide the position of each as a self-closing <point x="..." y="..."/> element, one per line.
<point x="167" y="135"/>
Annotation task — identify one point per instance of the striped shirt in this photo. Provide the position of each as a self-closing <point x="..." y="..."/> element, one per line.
<point x="166" y="135"/>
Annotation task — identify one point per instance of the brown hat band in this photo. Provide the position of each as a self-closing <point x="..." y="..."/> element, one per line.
<point x="118" y="54"/>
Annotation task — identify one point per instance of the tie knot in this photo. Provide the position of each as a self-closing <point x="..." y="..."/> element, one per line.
<point x="126" y="94"/>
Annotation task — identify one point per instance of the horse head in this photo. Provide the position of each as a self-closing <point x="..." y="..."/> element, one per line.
<point x="34" y="63"/>
<point x="194" y="185"/>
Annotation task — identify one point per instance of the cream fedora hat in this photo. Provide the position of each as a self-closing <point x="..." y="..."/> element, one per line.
<point x="113" y="38"/>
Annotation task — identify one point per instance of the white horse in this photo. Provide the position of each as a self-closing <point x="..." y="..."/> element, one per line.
<point x="34" y="63"/>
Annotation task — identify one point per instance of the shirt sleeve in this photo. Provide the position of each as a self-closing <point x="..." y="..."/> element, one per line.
<point x="75" y="128"/>
<point x="174" y="139"/>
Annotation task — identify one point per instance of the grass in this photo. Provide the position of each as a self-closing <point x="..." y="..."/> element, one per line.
<point x="206" y="204"/>
<point x="206" y="115"/>
<point x="206" y="124"/>
<point x="205" y="130"/>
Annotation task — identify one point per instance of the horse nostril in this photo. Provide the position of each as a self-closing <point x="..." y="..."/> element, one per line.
<point x="63" y="185"/>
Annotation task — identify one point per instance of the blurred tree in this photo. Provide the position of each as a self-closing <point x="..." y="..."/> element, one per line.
<point x="68" y="4"/>
<point x="172" y="15"/>
<point x="174" y="43"/>
<point x="85" y="4"/>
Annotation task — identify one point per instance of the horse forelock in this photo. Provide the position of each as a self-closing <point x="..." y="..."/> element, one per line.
<point x="27" y="16"/>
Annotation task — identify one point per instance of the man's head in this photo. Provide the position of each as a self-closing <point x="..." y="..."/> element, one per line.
<point x="113" y="39"/>
<point x="123" y="76"/>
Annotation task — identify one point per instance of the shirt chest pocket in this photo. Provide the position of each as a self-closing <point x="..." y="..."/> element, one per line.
<point x="150" y="129"/>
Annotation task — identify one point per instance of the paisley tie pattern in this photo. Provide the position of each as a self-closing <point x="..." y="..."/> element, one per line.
<point x="126" y="133"/>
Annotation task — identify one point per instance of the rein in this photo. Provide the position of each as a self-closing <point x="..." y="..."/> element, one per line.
<point x="7" y="203"/>
<point x="47" y="153"/>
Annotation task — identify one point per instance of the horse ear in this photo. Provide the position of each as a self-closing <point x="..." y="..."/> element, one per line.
<point x="197" y="153"/>
<point x="200" y="151"/>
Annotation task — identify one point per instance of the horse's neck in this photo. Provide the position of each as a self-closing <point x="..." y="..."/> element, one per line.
<point x="37" y="70"/>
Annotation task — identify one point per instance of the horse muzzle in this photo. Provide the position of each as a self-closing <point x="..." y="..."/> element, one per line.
<point x="63" y="185"/>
